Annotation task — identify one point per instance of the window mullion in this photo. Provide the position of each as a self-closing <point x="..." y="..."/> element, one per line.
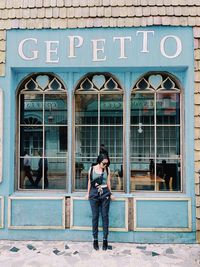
<point x="43" y="137"/>
<point x="19" y="143"/>
<point x="155" y="140"/>
<point x="99" y="120"/>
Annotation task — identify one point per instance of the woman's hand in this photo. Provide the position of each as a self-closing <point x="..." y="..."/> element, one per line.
<point x="112" y="197"/>
<point x="87" y="196"/>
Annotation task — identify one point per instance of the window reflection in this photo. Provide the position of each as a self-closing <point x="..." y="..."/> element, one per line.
<point x="47" y="173"/>
<point x="155" y="174"/>
<point x="31" y="109"/>
<point x="111" y="137"/>
<point x="43" y="133"/>
<point x="168" y="108"/>
<point x="142" y="141"/>
<point x="98" y="120"/>
<point x="155" y="134"/>
<point x="31" y="140"/>
<point x="116" y="174"/>
<point x="142" y="108"/>
<point x="168" y="141"/>
<point x="86" y="110"/>
<point x="55" y="109"/>
<point x="86" y="141"/>
<point x="81" y="173"/>
<point x="28" y="172"/>
<point x="170" y="171"/>
<point x="56" y="141"/>
<point x="56" y="173"/>
<point x="142" y="178"/>
<point x="111" y="109"/>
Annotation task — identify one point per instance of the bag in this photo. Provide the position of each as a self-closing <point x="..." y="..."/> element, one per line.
<point x="98" y="181"/>
<point x="105" y="194"/>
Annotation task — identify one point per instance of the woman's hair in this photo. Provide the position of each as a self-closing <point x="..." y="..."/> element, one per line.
<point x="101" y="157"/>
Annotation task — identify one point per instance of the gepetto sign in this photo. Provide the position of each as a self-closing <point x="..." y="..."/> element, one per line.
<point x="111" y="47"/>
<point x="98" y="47"/>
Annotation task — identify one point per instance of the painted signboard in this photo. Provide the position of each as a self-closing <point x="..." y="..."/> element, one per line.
<point x="99" y="47"/>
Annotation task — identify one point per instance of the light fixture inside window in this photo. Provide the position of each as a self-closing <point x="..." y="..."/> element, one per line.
<point x="140" y="130"/>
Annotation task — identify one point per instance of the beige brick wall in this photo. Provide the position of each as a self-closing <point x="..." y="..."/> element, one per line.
<point x="197" y="126"/>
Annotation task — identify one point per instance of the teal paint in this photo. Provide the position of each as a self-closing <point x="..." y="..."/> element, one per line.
<point x="161" y="214"/>
<point x="127" y="70"/>
<point x="100" y="47"/>
<point x="49" y="211"/>
<point x="82" y="216"/>
<point x="1" y="213"/>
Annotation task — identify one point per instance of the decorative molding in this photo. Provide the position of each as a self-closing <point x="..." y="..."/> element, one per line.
<point x="165" y="229"/>
<point x="124" y="229"/>
<point x="58" y="227"/>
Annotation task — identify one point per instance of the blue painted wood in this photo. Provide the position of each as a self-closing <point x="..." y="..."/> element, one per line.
<point x="107" y="51"/>
<point x="36" y="212"/>
<point x="162" y="214"/>
<point x="82" y="216"/>
<point x="1" y="209"/>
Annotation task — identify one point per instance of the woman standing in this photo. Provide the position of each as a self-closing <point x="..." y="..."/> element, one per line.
<point x="99" y="195"/>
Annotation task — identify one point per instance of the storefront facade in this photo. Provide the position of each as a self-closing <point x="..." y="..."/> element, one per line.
<point x="65" y="92"/>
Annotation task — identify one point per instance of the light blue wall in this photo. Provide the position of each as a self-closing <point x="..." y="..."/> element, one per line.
<point x="173" y="214"/>
<point x="127" y="71"/>
<point x="42" y="212"/>
<point x="82" y="216"/>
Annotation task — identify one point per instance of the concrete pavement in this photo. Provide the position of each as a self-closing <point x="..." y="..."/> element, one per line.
<point x="81" y="254"/>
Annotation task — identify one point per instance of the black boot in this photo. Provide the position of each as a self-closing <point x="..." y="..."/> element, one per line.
<point x="95" y="245"/>
<point x="105" y="244"/>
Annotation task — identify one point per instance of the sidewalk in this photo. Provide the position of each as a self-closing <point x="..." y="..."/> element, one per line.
<point x="81" y="254"/>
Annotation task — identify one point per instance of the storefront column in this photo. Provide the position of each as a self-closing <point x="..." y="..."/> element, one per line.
<point x="70" y="129"/>
<point x="127" y="130"/>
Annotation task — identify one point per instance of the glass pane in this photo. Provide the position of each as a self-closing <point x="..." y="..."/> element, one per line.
<point x="112" y="138"/>
<point x="142" y="177"/>
<point x="55" y="109"/>
<point x="86" y="141"/>
<point x="168" y="141"/>
<point x="111" y="109"/>
<point x="170" y="171"/>
<point x="31" y="109"/>
<point x="86" y="109"/>
<point x="168" y="108"/>
<point x="63" y="139"/>
<point x="28" y="172"/>
<point x="57" y="173"/>
<point x="31" y="140"/>
<point x="142" y="108"/>
<point x="142" y="141"/>
<point x="82" y="166"/>
<point x="116" y="174"/>
<point x="81" y="169"/>
<point x="56" y="141"/>
<point x="52" y="175"/>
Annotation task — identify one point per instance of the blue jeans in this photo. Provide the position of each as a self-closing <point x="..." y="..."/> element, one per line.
<point x="100" y="203"/>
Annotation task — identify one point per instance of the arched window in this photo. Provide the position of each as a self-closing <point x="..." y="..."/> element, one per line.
<point x="156" y="133"/>
<point x="42" y="150"/>
<point x="98" y="120"/>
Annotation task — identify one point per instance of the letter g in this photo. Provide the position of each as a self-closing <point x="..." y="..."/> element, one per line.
<point x="21" y="49"/>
